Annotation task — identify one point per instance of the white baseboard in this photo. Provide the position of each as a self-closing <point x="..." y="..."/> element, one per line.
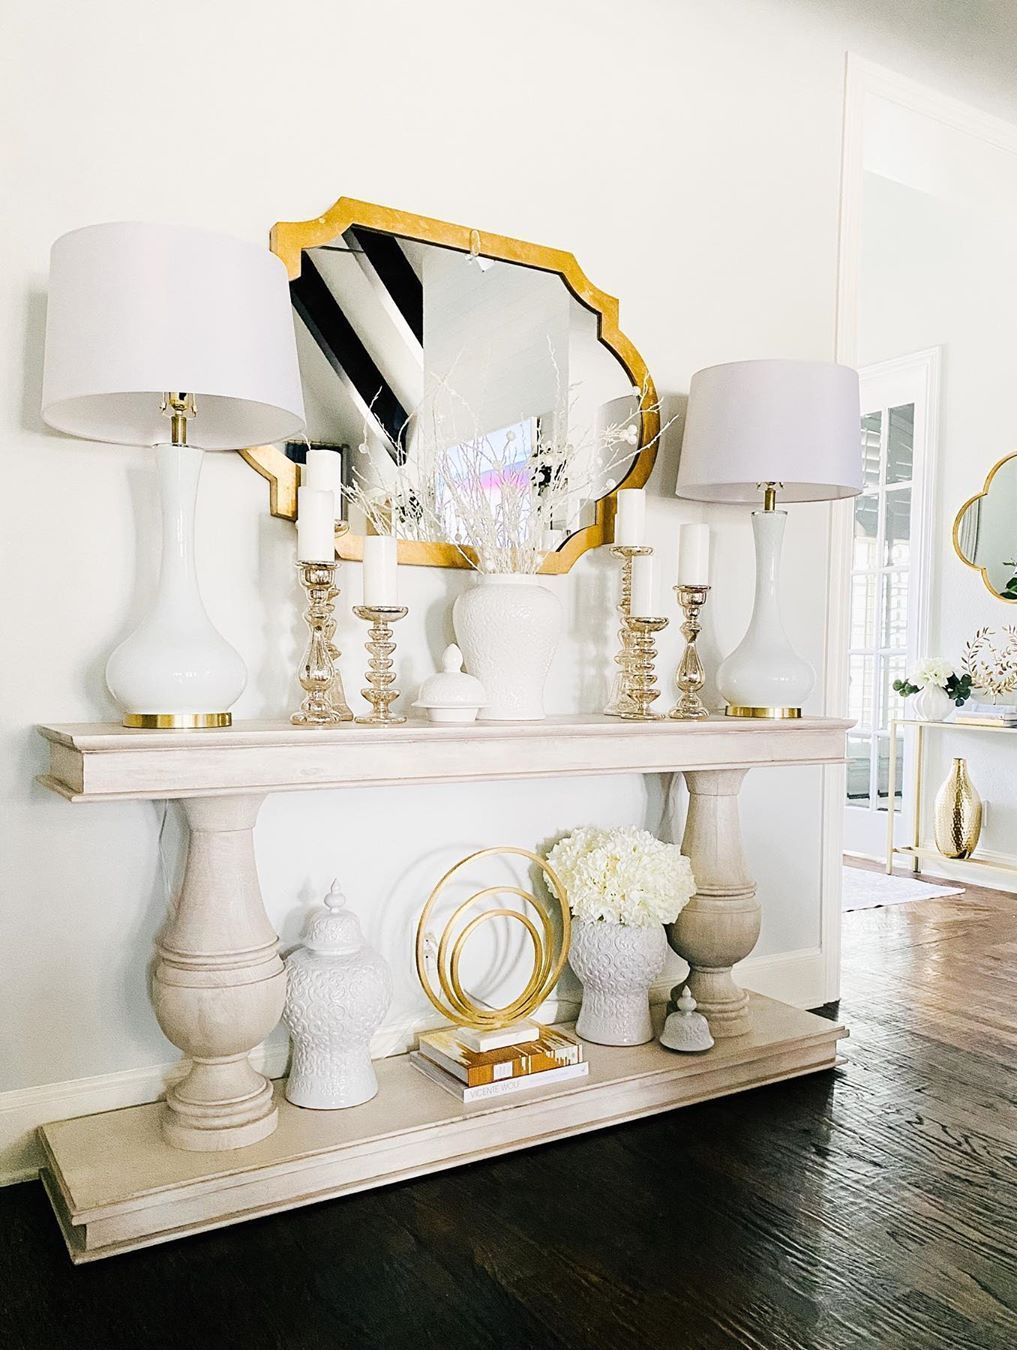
<point x="24" y="1109"/>
<point x="794" y="977"/>
<point x="798" y="978"/>
<point x="973" y="875"/>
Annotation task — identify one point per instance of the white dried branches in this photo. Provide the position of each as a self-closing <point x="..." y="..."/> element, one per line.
<point x="504" y="498"/>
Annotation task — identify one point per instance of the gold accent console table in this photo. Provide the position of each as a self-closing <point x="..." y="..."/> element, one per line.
<point x="916" y="850"/>
<point x="225" y="1146"/>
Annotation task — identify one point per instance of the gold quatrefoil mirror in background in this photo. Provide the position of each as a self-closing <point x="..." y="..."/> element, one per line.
<point x="985" y="530"/>
<point x="473" y="334"/>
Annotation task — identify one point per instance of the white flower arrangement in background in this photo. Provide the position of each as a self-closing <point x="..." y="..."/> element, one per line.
<point x="622" y="875"/>
<point x="936" y="672"/>
<point x="933" y="670"/>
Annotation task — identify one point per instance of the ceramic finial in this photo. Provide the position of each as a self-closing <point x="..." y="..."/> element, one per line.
<point x="335" y="898"/>
<point x="452" y="660"/>
<point x="685" y="1029"/>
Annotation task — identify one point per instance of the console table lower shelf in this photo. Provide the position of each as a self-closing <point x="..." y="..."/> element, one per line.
<point x="117" y="1186"/>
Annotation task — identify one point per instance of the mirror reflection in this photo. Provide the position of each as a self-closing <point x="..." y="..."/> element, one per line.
<point x="438" y="372"/>
<point x="985" y="531"/>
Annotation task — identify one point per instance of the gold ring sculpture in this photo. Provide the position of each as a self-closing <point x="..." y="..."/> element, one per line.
<point x="453" y="1002"/>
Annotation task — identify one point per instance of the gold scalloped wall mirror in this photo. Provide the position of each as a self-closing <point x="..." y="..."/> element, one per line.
<point x="985" y="530"/>
<point x="414" y="332"/>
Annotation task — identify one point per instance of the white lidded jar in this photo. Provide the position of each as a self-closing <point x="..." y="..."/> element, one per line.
<point x="508" y="626"/>
<point x="337" y="993"/>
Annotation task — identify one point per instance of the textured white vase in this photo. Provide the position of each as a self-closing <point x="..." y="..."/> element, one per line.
<point x="931" y="704"/>
<point x="764" y="671"/>
<point x="508" y="626"/>
<point x="617" y="964"/>
<point x="337" y="992"/>
<point x="176" y="664"/>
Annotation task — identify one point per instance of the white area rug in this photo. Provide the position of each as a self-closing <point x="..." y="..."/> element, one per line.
<point x="869" y="890"/>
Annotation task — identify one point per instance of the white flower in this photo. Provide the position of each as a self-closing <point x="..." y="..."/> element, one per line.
<point x="623" y="876"/>
<point x="934" y="670"/>
<point x="630" y="436"/>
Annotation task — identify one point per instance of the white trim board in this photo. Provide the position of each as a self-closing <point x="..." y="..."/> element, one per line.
<point x="793" y="977"/>
<point x="965" y="874"/>
<point x="958" y="870"/>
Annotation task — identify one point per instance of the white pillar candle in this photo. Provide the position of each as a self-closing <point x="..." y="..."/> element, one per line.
<point x="315" y="525"/>
<point x="642" y="587"/>
<point x="630" y="519"/>
<point x="694" y="555"/>
<point x="323" y="471"/>
<point x="381" y="583"/>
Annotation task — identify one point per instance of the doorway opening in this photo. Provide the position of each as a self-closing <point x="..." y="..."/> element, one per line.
<point x="888" y="600"/>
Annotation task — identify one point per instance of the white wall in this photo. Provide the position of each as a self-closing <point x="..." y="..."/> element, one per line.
<point x="687" y="153"/>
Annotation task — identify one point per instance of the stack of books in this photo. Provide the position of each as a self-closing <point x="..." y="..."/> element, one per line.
<point x="473" y="1075"/>
<point x="988" y="715"/>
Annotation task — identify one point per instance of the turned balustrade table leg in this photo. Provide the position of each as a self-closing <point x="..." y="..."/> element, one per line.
<point x="219" y="983"/>
<point x="720" y="924"/>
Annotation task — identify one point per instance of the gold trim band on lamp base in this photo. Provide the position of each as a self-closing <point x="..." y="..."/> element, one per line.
<point x="733" y="710"/>
<point x="193" y="721"/>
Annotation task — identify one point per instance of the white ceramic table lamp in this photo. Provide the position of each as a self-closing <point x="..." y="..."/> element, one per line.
<point x="756" y="431"/>
<point x="154" y="322"/>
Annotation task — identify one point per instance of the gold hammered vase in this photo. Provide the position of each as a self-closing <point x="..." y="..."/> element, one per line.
<point x="958" y="814"/>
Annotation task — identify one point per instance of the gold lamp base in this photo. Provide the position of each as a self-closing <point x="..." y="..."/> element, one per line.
<point x="733" y="710"/>
<point x="179" y="721"/>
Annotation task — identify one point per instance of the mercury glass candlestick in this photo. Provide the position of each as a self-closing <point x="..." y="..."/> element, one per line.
<point x="640" y="678"/>
<point x="380" y="675"/>
<point x="690" y="676"/>
<point x="619" y="703"/>
<point x="324" y="703"/>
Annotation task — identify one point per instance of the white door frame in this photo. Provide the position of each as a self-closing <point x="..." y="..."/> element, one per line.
<point x="914" y="379"/>
<point x="864" y="79"/>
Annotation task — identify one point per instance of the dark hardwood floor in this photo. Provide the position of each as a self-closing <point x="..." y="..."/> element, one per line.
<point x="872" y="1207"/>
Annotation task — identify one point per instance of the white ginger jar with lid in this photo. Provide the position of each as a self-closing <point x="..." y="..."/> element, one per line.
<point x="337" y="992"/>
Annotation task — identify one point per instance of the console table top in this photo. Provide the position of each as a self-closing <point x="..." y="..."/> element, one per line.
<point x="105" y="761"/>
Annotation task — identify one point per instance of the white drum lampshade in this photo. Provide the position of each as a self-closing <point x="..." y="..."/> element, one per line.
<point x="147" y="322"/>
<point x="756" y="431"/>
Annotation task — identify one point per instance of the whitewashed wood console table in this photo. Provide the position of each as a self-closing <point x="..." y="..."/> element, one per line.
<point x="226" y="1146"/>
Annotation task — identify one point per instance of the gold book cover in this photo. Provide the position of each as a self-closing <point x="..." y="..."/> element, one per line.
<point x="551" y="1050"/>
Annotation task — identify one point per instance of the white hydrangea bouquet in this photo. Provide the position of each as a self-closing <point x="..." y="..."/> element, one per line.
<point x="622" y="886"/>
<point x="622" y="876"/>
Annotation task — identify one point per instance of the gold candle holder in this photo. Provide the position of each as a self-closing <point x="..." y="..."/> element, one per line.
<point x="619" y="704"/>
<point x="380" y="675"/>
<point x="640" y="679"/>
<point x="690" y="676"/>
<point x="324" y="702"/>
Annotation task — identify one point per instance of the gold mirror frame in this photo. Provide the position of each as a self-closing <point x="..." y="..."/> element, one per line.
<point x="1007" y="600"/>
<point x="289" y="238"/>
